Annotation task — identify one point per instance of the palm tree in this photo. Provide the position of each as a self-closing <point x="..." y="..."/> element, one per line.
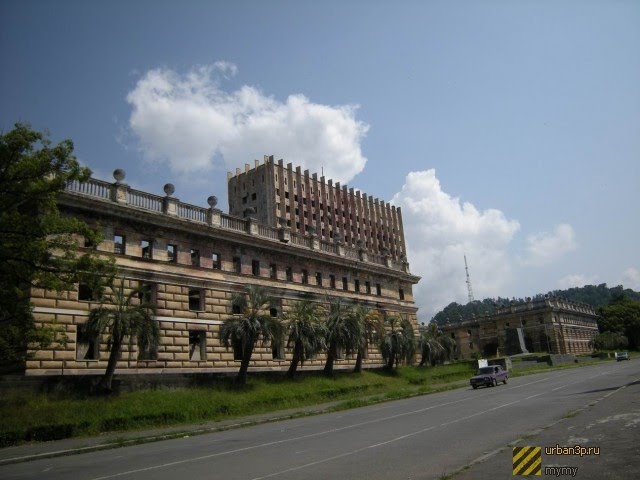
<point x="371" y="328"/>
<point x="305" y="333"/>
<point x="343" y="334"/>
<point x="126" y="315"/>
<point x="253" y="324"/>
<point x="435" y="346"/>
<point x="398" y="341"/>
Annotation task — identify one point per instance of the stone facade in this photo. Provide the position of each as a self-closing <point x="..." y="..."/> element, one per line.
<point x="283" y="196"/>
<point x="190" y="261"/>
<point x="549" y="325"/>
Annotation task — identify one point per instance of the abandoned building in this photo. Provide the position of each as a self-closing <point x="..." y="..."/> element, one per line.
<point x="322" y="243"/>
<point x="551" y="325"/>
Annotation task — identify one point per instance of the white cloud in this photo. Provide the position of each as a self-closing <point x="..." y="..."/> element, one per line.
<point x="440" y="230"/>
<point x="545" y="248"/>
<point x="187" y="120"/>
<point x="577" y="280"/>
<point x="631" y="278"/>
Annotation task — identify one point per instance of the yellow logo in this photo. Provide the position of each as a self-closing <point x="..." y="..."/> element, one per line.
<point x="527" y="460"/>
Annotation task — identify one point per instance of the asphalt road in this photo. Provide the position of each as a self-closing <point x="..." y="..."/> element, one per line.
<point x="420" y="438"/>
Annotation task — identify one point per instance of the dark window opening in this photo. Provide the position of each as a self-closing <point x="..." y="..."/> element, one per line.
<point x="332" y="281"/>
<point x="255" y="268"/>
<point x="197" y="345"/>
<point x="86" y="293"/>
<point x="196" y="298"/>
<point x="277" y="352"/>
<point x="289" y="272"/>
<point x="253" y="196"/>
<point x="345" y="283"/>
<point x="367" y="286"/>
<point x="119" y="244"/>
<point x="273" y="271"/>
<point x="356" y="285"/>
<point x="237" y="264"/>
<point x="147" y="249"/>
<point x="273" y="311"/>
<point x="172" y="253"/>
<point x="216" y="261"/>
<point x="401" y="294"/>
<point x="195" y="257"/>
<point x="319" y="279"/>
<point x="305" y="276"/>
<point x="147" y="293"/>
<point x="378" y="290"/>
<point x="147" y="352"/>
<point x="87" y="345"/>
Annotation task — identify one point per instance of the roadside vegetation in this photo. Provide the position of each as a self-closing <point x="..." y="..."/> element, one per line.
<point x="26" y="416"/>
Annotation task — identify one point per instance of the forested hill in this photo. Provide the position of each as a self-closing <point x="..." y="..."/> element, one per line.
<point x="594" y="295"/>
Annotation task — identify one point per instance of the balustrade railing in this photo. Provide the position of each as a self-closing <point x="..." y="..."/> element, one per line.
<point x="105" y="190"/>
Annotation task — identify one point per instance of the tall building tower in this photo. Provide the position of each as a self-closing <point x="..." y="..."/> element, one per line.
<point x="280" y="195"/>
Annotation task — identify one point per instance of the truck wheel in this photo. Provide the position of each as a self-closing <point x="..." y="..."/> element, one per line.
<point x="495" y="383"/>
<point x="474" y="386"/>
<point x="505" y="380"/>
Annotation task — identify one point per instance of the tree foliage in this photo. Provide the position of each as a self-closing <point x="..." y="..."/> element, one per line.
<point x="254" y="323"/>
<point x="125" y="316"/>
<point x="622" y="316"/>
<point x="37" y="244"/>
<point x="435" y="347"/>
<point x="343" y="333"/>
<point x="398" y="343"/>
<point x="305" y="332"/>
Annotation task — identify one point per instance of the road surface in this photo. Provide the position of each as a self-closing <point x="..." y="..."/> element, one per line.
<point x="425" y="437"/>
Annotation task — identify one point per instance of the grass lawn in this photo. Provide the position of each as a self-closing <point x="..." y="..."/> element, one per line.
<point x="37" y="416"/>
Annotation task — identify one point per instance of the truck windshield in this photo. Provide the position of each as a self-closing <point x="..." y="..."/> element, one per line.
<point x="485" y="370"/>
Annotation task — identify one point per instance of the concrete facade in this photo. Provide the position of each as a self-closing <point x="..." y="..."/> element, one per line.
<point x="551" y="325"/>
<point x="279" y="195"/>
<point x="191" y="260"/>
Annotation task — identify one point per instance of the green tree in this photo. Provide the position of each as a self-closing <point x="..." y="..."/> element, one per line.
<point x="253" y="323"/>
<point x="370" y="328"/>
<point x="343" y="334"/>
<point x="435" y="347"/>
<point x="623" y="315"/>
<point x="37" y="244"/>
<point x="305" y="333"/>
<point x="125" y="316"/>
<point x="398" y="342"/>
<point x="610" y="341"/>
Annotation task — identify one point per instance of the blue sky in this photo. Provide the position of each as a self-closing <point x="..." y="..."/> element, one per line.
<point x="509" y="131"/>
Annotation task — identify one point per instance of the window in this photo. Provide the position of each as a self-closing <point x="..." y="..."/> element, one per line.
<point x="197" y="345"/>
<point x="319" y="279"/>
<point x="289" y="274"/>
<point x="147" y="248"/>
<point x="356" y="285"/>
<point x="378" y="290"/>
<point x="147" y="351"/>
<point x="332" y="281"/>
<point x="237" y="264"/>
<point x="172" y="253"/>
<point x="367" y="286"/>
<point x="345" y="283"/>
<point x="196" y="297"/>
<point x="235" y="309"/>
<point x="277" y="351"/>
<point x="273" y="271"/>
<point x="147" y="293"/>
<point x="253" y="196"/>
<point x="255" y="267"/>
<point x="273" y="311"/>
<point x="119" y="244"/>
<point x="86" y="293"/>
<point x="195" y="257"/>
<point x="216" y="261"/>
<point x="305" y="276"/>
<point x="87" y="345"/>
<point x="401" y="293"/>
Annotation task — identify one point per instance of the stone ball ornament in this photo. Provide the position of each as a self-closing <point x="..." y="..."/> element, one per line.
<point x="119" y="174"/>
<point x="169" y="189"/>
<point x="212" y="201"/>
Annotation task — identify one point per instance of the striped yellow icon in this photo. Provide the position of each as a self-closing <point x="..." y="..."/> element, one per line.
<point x="527" y="460"/>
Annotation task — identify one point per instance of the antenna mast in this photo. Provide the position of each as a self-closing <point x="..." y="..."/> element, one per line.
<point x="466" y="268"/>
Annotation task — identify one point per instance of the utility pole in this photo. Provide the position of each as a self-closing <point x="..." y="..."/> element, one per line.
<point x="466" y="268"/>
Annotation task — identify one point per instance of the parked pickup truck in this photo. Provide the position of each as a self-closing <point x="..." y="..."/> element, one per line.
<point x="489" y="376"/>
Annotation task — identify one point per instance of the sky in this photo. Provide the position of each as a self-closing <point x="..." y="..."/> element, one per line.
<point x="507" y="131"/>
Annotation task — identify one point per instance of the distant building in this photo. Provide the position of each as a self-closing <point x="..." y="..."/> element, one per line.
<point x="190" y="260"/>
<point x="550" y="325"/>
<point x="283" y="196"/>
